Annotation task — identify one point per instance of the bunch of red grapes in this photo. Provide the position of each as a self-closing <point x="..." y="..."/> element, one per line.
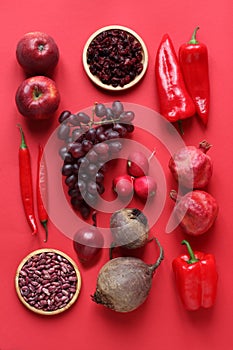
<point x="89" y="143"/>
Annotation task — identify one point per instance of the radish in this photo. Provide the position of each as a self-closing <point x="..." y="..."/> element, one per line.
<point x="145" y="186"/>
<point x="138" y="163"/>
<point x="123" y="185"/>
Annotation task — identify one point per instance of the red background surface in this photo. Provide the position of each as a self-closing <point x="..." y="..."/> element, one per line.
<point x="161" y="323"/>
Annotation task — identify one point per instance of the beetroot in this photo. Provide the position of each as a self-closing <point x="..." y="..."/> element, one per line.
<point x="145" y="186"/>
<point x="191" y="166"/>
<point x="196" y="211"/>
<point x="123" y="283"/>
<point x="123" y="185"/>
<point x="129" y="228"/>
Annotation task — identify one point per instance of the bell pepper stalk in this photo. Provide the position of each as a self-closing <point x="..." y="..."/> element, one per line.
<point x="196" y="278"/>
<point x="193" y="58"/>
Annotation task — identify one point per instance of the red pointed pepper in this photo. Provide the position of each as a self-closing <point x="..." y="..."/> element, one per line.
<point x="193" y="57"/>
<point x="25" y="177"/>
<point x="196" y="278"/>
<point x="175" y="102"/>
<point x="42" y="191"/>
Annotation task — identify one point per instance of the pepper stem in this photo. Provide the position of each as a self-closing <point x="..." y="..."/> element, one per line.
<point x="23" y="144"/>
<point x="193" y="39"/>
<point x="192" y="259"/>
<point x="45" y="225"/>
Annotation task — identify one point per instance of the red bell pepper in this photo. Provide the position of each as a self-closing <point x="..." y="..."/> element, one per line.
<point x="193" y="57"/>
<point x="196" y="278"/>
<point x="175" y="102"/>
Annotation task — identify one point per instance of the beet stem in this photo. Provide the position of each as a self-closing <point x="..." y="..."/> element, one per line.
<point x="154" y="266"/>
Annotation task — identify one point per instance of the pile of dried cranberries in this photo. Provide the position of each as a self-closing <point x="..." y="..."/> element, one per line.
<point x="115" y="56"/>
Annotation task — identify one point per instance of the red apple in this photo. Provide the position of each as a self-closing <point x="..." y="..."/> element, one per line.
<point x="37" y="98"/>
<point x="37" y="53"/>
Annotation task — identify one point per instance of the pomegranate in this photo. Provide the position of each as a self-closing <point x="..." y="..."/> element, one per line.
<point x="145" y="186"/>
<point x="191" y="166"/>
<point x="196" y="211"/>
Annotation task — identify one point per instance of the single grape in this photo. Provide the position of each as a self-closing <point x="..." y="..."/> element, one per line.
<point x="101" y="148"/>
<point x="83" y="118"/>
<point x="129" y="127"/>
<point x="99" y="177"/>
<point x="84" y="176"/>
<point x="109" y="113"/>
<point x="87" y="145"/>
<point x="64" y="116"/>
<point x="75" y="202"/>
<point x="63" y="131"/>
<point x="83" y="163"/>
<point x="111" y="134"/>
<point x="115" y="146"/>
<point x="100" y="136"/>
<point x="117" y="108"/>
<point x="92" y="156"/>
<point x="67" y="169"/>
<point x="92" y="169"/>
<point x="127" y="117"/>
<point x="91" y="134"/>
<point x="90" y="199"/>
<point x="77" y="134"/>
<point x="71" y="180"/>
<point x="81" y="185"/>
<point x="92" y="187"/>
<point x="120" y="129"/>
<point x="76" y="150"/>
<point x="74" y="120"/>
<point x="85" y="210"/>
<point x="100" y="110"/>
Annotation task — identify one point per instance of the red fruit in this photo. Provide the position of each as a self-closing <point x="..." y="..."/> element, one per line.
<point x="37" y="53"/>
<point x="123" y="185"/>
<point x="37" y="98"/>
<point x="196" y="211"/>
<point x="145" y="186"/>
<point x="88" y="242"/>
<point x="191" y="166"/>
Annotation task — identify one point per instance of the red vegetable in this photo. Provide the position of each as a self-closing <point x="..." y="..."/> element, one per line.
<point x="175" y="102"/>
<point x="196" y="278"/>
<point x="193" y="57"/>
<point x="145" y="186"/>
<point x="25" y="177"/>
<point x="42" y="191"/>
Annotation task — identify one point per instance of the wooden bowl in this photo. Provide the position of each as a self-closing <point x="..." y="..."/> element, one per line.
<point x="77" y="285"/>
<point x="144" y="61"/>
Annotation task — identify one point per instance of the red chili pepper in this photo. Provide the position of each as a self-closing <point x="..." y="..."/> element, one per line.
<point x="25" y="177"/>
<point x="196" y="278"/>
<point x="42" y="191"/>
<point x="175" y="102"/>
<point x="193" y="57"/>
